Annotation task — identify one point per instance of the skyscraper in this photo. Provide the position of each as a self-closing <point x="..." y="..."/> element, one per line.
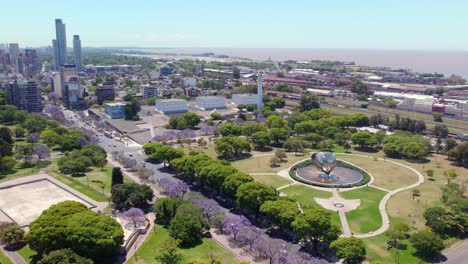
<point x="56" y="55"/>
<point x="14" y="55"/>
<point x="60" y="44"/>
<point x="25" y="95"/>
<point x="77" y="51"/>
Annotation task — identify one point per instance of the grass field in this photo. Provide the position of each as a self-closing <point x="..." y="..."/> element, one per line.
<point x="4" y="259"/>
<point x="412" y="211"/>
<point x="272" y="180"/>
<point x="26" y="253"/>
<point x="259" y="164"/>
<point x="150" y="248"/>
<point x="386" y="175"/>
<point x="366" y="217"/>
<point x="91" y="184"/>
<point x="376" y="251"/>
<point x="20" y="171"/>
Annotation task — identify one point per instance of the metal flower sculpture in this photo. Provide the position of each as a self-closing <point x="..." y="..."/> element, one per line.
<point x="324" y="161"/>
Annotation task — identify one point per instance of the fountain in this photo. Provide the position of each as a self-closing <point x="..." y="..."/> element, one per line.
<point x="326" y="172"/>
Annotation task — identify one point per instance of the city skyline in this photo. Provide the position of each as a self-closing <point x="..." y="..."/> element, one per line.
<point x="418" y="25"/>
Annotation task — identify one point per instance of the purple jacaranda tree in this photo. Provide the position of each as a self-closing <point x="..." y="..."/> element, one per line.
<point x="206" y="131"/>
<point x="144" y="173"/>
<point x="249" y="235"/>
<point x="260" y="118"/>
<point x="33" y="138"/>
<point x="211" y="210"/>
<point x="178" y="189"/>
<point x="297" y="257"/>
<point x="81" y="141"/>
<point x="135" y="215"/>
<point x="53" y="96"/>
<point x="234" y="224"/>
<point x="165" y="183"/>
<point x="186" y="134"/>
<point x="42" y="152"/>
<point x="273" y="249"/>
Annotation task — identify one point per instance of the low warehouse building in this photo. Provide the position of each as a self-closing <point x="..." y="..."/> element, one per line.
<point x="211" y="102"/>
<point x="171" y="106"/>
<point x="245" y="99"/>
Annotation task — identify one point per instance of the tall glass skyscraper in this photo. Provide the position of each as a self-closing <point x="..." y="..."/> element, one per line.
<point x="77" y="51"/>
<point x="60" y="48"/>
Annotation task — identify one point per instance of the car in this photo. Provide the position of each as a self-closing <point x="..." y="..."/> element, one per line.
<point x="130" y="154"/>
<point x="115" y="146"/>
<point x="110" y="145"/>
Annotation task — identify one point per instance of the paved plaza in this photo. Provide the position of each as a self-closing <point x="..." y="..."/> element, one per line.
<point x="23" y="200"/>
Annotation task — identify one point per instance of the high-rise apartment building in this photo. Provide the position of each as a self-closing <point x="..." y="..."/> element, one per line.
<point x="60" y="44"/>
<point x="77" y="51"/>
<point x="105" y="92"/>
<point x="30" y="61"/>
<point x="25" y="95"/>
<point x="66" y="71"/>
<point x="14" y="53"/>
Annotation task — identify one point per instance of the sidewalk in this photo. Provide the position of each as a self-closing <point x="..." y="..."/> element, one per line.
<point x="14" y="257"/>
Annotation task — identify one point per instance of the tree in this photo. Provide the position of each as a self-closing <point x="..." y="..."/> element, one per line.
<point x="167" y="154"/>
<point x="233" y="181"/>
<point x="5" y="148"/>
<point x="350" y="249"/>
<point x="281" y="155"/>
<point x="117" y="176"/>
<point x="125" y="196"/>
<point x="450" y="175"/>
<point x="35" y="123"/>
<point x="100" y="162"/>
<point x="24" y="151"/>
<point x="279" y="135"/>
<point x="415" y="193"/>
<point x="215" y="174"/>
<point x="308" y="102"/>
<point x="6" y="164"/>
<point x="314" y="138"/>
<point x="64" y="256"/>
<point x="347" y="147"/>
<point x="6" y="135"/>
<point x="230" y="146"/>
<point x="11" y="234"/>
<point x="430" y="173"/>
<point x="249" y="129"/>
<point x="234" y="224"/>
<point x="230" y="129"/>
<point x="363" y="139"/>
<point x="397" y="232"/>
<point x="360" y="88"/>
<point x="295" y="144"/>
<point x="187" y="224"/>
<point x="42" y="152"/>
<point x="261" y="139"/>
<point x="440" y="131"/>
<point x="275" y="121"/>
<point x="50" y="137"/>
<point x="445" y="222"/>
<point x="131" y="109"/>
<point x="135" y="215"/>
<point x="144" y="173"/>
<point x="252" y="195"/>
<point x="235" y="73"/>
<point x="437" y="117"/>
<point x="71" y="225"/>
<point x="427" y="244"/>
<point x="315" y="225"/>
<point x="20" y="132"/>
<point x="184" y="121"/>
<point x="169" y="252"/>
<point x="281" y="211"/>
<point x="460" y="154"/>
<point x="166" y="208"/>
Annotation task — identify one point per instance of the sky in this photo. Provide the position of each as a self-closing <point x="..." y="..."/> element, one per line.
<point x="334" y="24"/>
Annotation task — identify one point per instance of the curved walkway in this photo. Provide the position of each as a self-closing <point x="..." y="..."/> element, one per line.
<point x="383" y="202"/>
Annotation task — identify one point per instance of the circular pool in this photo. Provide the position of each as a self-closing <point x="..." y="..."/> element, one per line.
<point x="340" y="176"/>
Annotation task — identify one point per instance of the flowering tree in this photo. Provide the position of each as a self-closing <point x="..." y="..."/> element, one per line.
<point x="33" y="138"/>
<point x="234" y="224"/>
<point x="273" y="249"/>
<point x="211" y="210"/>
<point x="249" y="236"/>
<point x="52" y="96"/>
<point x="81" y="141"/>
<point x="135" y="215"/>
<point x="144" y="173"/>
<point x="206" y="131"/>
<point x="42" y="152"/>
<point x="173" y="188"/>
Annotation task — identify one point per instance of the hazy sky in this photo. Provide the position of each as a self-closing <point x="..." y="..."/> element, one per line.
<point x="354" y="24"/>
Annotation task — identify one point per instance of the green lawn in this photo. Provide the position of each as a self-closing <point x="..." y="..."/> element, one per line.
<point x="261" y="164"/>
<point x="26" y="253"/>
<point x="376" y="251"/>
<point x="91" y="184"/>
<point x="273" y="180"/>
<point x="386" y="175"/>
<point x="19" y="170"/>
<point x="148" y="251"/>
<point x="4" y="259"/>
<point x="305" y="195"/>
<point x="366" y="217"/>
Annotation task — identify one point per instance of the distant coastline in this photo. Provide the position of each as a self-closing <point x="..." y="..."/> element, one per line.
<point x="446" y="62"/>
